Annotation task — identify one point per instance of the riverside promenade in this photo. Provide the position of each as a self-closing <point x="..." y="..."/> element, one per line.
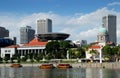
<point x="79" y="65"/>
<point x="97" y="65"/>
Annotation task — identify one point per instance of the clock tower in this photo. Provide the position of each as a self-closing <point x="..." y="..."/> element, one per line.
<point x="102" y="35"/>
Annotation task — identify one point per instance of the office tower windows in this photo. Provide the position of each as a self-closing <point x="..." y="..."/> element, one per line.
<point x="44" y="26"/>
<point x="26" y="34"/>
<point x="109" y="22"/>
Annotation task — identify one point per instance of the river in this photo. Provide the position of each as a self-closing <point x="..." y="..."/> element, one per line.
<point x="35" y="72"/>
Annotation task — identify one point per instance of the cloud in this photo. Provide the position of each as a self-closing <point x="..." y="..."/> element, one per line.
<point x="90" y="35"/>
<point x="114" y="3"/>
<point x="79" y="26"/>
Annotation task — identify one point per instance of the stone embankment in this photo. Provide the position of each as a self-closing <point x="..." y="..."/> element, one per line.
<point x="79" y="65"/>
<point x="97" y="65"/>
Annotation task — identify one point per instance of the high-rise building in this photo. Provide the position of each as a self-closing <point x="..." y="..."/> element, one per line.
<point x="44" y="26"/>
<point x="109" y="22"/>
<point x="3" y="32"/>
<point x="26" y="34"/>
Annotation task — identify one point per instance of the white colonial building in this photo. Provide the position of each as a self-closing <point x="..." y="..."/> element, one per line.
<point x="95" y="56"/>
<point x="35" y="46"/>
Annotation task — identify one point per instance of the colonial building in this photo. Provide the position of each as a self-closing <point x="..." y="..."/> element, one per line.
<point x="97" y="56"/>
<point x="102" y="36"/>
<point x="35" y="46"/>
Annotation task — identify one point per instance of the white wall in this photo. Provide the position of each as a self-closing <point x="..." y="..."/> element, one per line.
<point x="10" y="51"/>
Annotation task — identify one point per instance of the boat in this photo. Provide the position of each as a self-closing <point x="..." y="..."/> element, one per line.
<point x="46" y="66"/>
<point x="64" y="66"/>
<point x="16" y="65"/>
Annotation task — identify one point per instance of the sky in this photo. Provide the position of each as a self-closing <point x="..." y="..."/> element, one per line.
<point x="82" y="19"/>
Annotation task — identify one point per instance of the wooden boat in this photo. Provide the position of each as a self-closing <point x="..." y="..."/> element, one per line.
<point x="46" y="66"/>
<point x="16" y="65"/>
<point x="64" y="66"/>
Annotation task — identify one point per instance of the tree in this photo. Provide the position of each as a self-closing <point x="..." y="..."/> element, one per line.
<point x="38" y="57"/>
<point x="57" y="49"/>
<point x="70" y="53"/>
<point x="110" y="52"/>
<point x="31" y="55"/>
<point x="81" y="52"/>
<point x="52" y="48"/>
<point x="64" y="46"/>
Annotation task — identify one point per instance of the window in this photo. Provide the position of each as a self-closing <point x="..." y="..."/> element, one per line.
<point x="5" y="50"/>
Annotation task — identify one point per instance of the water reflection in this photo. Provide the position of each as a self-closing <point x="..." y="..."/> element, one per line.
<point x="35" y="72"/>
<point x="94" y="73"/>
<point x="2" y="72"/>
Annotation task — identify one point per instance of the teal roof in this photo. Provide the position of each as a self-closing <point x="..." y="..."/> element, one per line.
<point x="102" y="30"/>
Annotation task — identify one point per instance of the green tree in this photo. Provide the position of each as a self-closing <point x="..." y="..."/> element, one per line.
<point x="38" y="57"/>
<point x="70" y="53"/>
<point x="64" y="46"/>
<point x="52" y="48"/>
<point x="81" y="52"/>
<point x="31" y="55"/>
<point x="109" y="52"/>
<point x="23" y="59"/>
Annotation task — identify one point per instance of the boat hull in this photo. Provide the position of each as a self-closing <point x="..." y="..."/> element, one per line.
<point x="46" y="66"/>
<point x="64" y="66"/>
<point x="16" y="65"/>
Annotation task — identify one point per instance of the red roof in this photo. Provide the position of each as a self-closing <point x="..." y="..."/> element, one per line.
<point x="36" y="42"/>
<point x="95" y="47"/>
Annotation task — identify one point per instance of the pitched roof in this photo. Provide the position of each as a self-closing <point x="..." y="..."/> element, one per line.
<point x="36" y="42"/>
<point x="95" y="47"/>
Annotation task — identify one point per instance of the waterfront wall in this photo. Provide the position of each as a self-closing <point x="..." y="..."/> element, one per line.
<point x="78" y="65"/>
<point x="97" y="65"/>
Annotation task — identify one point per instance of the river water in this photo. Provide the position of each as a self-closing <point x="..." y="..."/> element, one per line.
<point x="35" y="72"/>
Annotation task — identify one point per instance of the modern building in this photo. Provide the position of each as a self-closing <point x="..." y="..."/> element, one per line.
<point x="80" y="43"/>
<point x="6" y="42"/>
<point x="26" y="34"/>
<point x="3" y="32"/>
<point x="109" y="22"/>
<point x="44" y="26"/>
<point x="53" y="36"/>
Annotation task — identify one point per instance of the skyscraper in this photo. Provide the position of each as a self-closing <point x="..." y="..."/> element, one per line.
<point x="109" y="22"/>
<point x="44" y="26"/>
<point x="3" y="32"/>
<point x="26" y="34"/>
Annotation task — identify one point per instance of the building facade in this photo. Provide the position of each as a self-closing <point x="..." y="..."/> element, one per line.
<point x="3" y="32"/>
<point x="102" y="36"/>
<point x="44" y="26"/>
<point x="97" y="56"/>
<point x="109" y="22"/>
<point x="35" y="46"/>
<point x="26" y="34"/>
